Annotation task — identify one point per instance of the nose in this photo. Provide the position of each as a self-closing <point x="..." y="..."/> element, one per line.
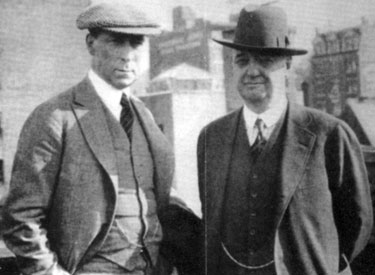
<point x="253" y="68"/>
<point x="127" y="52"/>
<point x="126" y="59"/>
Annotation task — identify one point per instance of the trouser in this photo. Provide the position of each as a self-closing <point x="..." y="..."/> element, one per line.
<point x="163" y="267"/>
<point x="102" y="266"/>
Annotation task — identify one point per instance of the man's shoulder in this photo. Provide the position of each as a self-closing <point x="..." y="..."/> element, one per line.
<point x="58" y="104"/>
<point x="67" y="96"/>
<point x="224" y="121"/>
<point x="313" y="113"/>
<point x="61" y="99"/>
<point x="315" y="120"/>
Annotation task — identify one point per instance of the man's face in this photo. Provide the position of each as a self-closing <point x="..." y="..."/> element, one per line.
<point x="114" y="58"/>
<point x="258" y="77"/>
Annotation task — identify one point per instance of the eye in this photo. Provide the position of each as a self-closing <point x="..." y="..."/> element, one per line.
<point x="118" y="40"/>
<point x="265" y="60"/>
<point x="241" y="61"/>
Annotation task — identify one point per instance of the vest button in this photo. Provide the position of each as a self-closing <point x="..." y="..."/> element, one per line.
<point x="253" y="214"/>
<point x="255" y="176"/>
<point x="252" y="232"/>
<point x="254" y="194"/>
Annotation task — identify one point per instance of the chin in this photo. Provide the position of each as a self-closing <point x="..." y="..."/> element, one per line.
<point x="124" y="84"/>
<point x="255" y="96"/>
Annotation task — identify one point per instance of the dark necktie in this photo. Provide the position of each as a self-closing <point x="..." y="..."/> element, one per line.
<point x="260" y="141"/>
<point x="126" y="116"/>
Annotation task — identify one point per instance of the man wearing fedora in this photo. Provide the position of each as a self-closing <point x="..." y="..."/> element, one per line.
<point x="93" y="172"/>
<point x="283" y="187"/>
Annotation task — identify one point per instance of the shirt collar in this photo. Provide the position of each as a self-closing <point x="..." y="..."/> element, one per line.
<point x="110" y="95"/>
<point x="270" y="117"/>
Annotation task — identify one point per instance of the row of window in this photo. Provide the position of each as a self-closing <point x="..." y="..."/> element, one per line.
<point x="336" y="64"/>
<point x="322" y="46"/>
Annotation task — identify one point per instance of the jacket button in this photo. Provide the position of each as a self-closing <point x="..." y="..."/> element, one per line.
<point x="252" y="232"/>
<point x="253" y="214"/>
<point x="254" y="194"/>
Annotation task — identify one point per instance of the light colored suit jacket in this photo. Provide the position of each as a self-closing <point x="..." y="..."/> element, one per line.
<point x="324" y="212"/>
<point x="64" y="182"/>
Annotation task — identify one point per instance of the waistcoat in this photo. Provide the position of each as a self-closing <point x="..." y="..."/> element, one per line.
<point x="133" y="239"/>
<point x="249" y="217"/>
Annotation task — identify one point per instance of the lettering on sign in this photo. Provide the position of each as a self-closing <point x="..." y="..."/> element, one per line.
<point x="181" y="43"/>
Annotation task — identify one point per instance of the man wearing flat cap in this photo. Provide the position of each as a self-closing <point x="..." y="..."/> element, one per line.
<point x="283" y="187"/>
<point x="92" y="173"/>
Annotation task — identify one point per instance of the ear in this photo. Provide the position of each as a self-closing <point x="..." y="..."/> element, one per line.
<point x="90" y="43"/>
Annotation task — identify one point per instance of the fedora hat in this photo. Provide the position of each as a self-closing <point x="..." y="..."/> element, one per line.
<point x="117" y="16"/>
<point x="263" y="30"/>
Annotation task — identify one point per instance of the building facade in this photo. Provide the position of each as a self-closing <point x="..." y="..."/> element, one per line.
<point x="342" y="67"/>
<point x="189" y="42"/>
<point x="187" y="90"/>
<point x="335" y="69"/>
<point x="183" y="101"/>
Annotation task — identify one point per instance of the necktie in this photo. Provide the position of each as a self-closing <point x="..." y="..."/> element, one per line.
<point x="259" y="125"/>
<point x="126" y="116"/>
<point x="260" y="141"/>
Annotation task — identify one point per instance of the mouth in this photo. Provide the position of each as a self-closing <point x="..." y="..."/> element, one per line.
<point x="255" y="80"/>
<point x="254" y="83"/>
<point x="124" y="73"/>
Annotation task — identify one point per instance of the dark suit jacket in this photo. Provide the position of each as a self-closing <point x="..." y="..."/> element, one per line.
<point x="64" y="183"/>
<point x="324" y="214"/>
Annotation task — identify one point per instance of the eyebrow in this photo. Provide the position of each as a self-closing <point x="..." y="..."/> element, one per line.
<point x="241" y="54"/>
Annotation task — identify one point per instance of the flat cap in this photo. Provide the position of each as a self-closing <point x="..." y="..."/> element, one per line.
<point x="117" y="16"/>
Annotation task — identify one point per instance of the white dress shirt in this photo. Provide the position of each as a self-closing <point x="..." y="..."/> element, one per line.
<point x="270" y="117"/>
<point x="110" y="96"/>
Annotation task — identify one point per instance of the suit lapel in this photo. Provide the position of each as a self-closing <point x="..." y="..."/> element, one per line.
<point x="160" y="150"/>
<point x="219" y="155"/>
<point x="299" y="142"/>
<point x="90" y="115"/>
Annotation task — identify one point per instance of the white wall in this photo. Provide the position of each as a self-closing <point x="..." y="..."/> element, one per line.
<point x="191" y="112"/>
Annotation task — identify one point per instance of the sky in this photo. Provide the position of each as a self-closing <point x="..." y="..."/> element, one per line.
<point x="305" y="15"/>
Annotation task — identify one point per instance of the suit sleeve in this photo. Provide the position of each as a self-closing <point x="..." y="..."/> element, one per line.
<point x="350" y="190"/>
<point x="34" y="175"/>
<point x="201" y="155"/>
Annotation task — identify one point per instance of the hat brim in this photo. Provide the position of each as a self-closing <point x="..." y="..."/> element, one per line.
<point x="262" y="50"/>
<point x="134" y="30"/>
